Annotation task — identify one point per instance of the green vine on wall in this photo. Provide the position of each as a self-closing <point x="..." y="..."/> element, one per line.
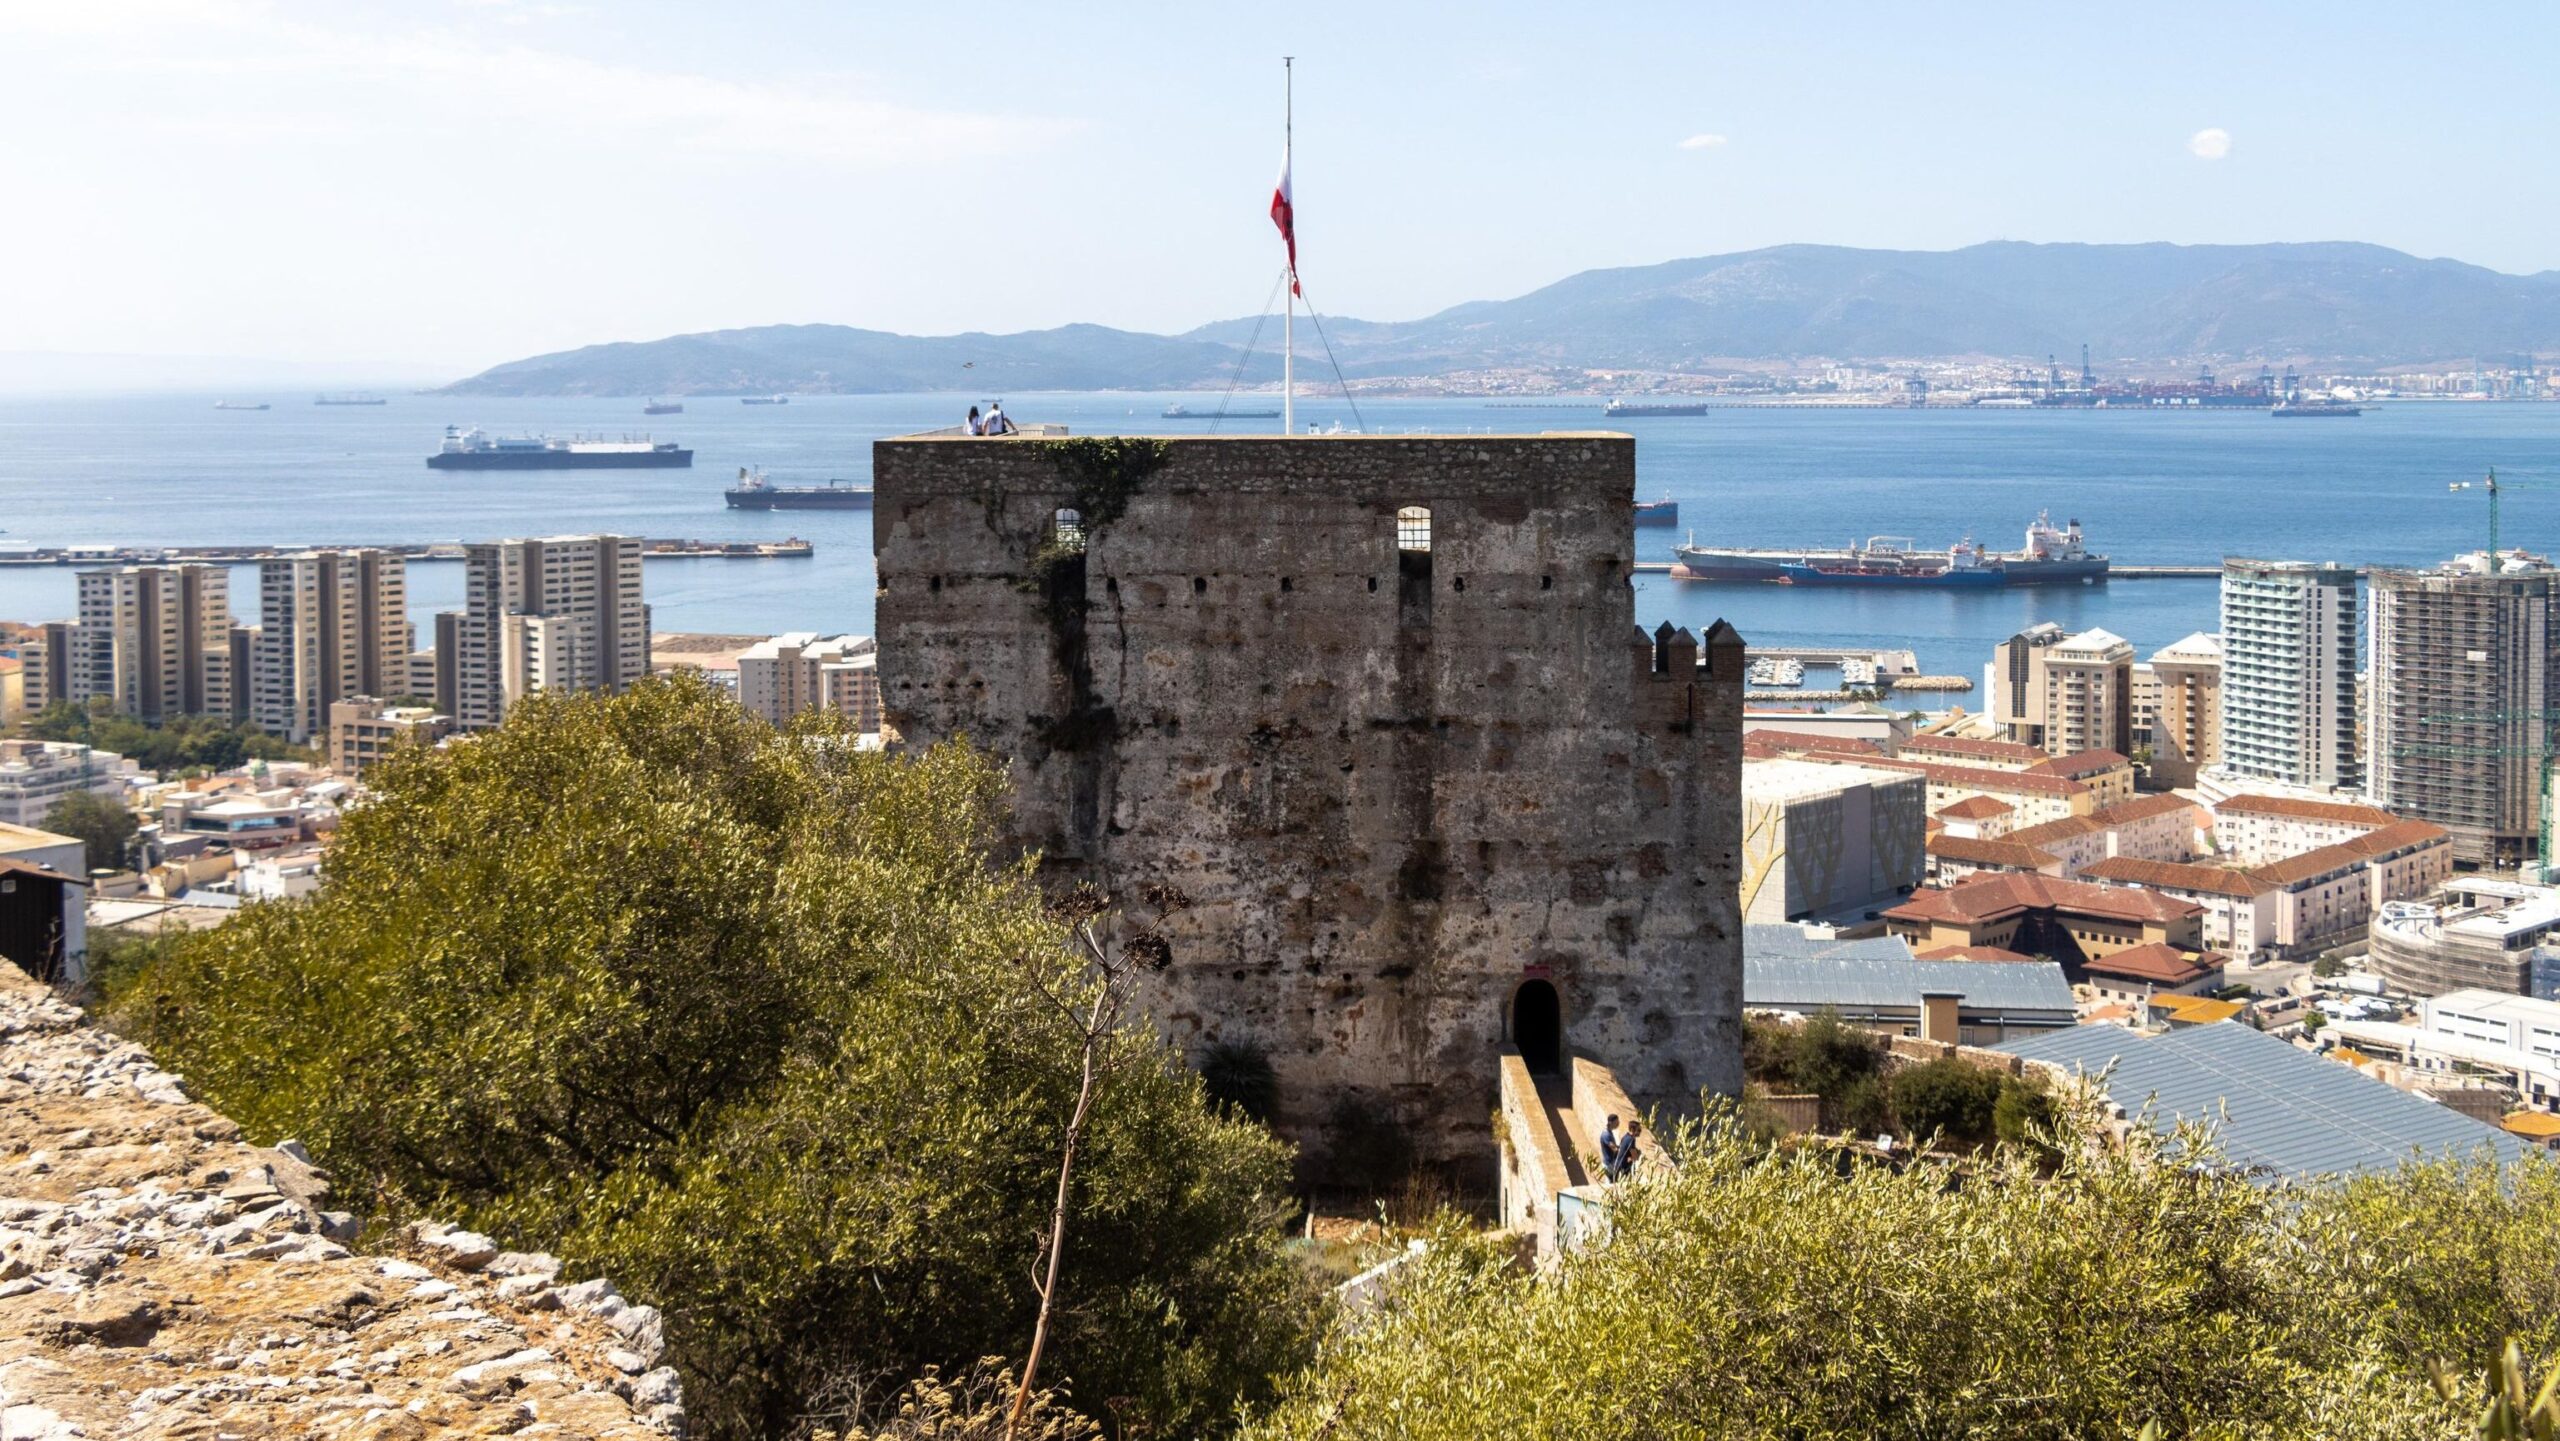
<point x="1104" y="472"/>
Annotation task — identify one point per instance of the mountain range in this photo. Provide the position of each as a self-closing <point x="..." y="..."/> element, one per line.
<point x="2134" y="305"/>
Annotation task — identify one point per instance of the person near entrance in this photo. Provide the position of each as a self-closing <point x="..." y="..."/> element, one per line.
<point x="1609" y="1145"/>
<point x="1627" y="1151"/>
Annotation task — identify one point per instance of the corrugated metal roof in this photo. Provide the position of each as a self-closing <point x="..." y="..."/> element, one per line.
<point x="1782" y="942"/>
<point x="1860" y="982"/>
<point x="2278" y="1111"/>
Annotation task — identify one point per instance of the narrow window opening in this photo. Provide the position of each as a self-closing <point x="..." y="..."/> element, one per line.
<point x="1458" y="584"/>
<point x="936" y="585"/>
<point x="1413" y="529"/>
<point x="1199" y="585"/>
<point x="1284" y="585"/>
<point x="1546" y="582"/>
<point x="1373" y="585"/>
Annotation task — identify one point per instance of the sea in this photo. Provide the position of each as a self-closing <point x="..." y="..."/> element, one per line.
<point x="2147" y="487"/>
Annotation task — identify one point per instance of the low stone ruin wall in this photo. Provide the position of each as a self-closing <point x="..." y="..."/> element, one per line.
<point x="161" y="1278"/>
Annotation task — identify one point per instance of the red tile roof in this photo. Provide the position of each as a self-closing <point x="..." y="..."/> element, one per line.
<point x="1975" y="808"/>
<point x="1970" y="953"/>
<point x="2064" y="829"/>
<point x="1989" y="897"/>
<point x="1779" y="742"/>
<point x="2085" y="763"/>
<point x="2142" y="808"/>
<point x="2172" y="875"/>
<point x="2302" y="810"/>
<point x="1981" y="778"/>
<point x="2373" y="845"/>
<point x="1969" y="851"/>
<point x="1973" y="749"/>
<point x="2158" y="963"/>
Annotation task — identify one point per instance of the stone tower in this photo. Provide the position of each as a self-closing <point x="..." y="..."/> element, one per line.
<point x="1380" y="707"/>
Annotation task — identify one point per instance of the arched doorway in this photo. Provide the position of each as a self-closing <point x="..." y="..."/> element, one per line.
<point x="1537" y="1027"/>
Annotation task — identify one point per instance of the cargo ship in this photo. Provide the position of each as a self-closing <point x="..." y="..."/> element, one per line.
<point x="476" y="450"/>
<point x="2314" y="407"/>
<point x="239" y="405"/>
<point x="764" y="400"/>
<point x="1184" y="412"/>
<point x="2050" y="556"/>
<point x="663" y="407"/>
<point x="1663" y="512"/>
<point x="754" y="492"/>
<point x="1641" y="410"/>
<point x="348" y="400"/>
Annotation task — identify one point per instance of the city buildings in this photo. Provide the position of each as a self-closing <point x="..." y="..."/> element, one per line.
<point x="1824" y="841"/>
<point x="562" y="613"/>
<point x="2067" y="921"/>
<point x="363" y="730"/>
<point x="2088" y="693"/>
<point x="2461" y="711"/>
<point x="2513" y="1039"/>
<point x="50" y="653"/>
<point x="43" y="904"/>
<point x="35" y="776"/>
<point x="2013" y="690"/>
<point x="2290" y="642"/>
<point x="331" y="625"/>
<point x="2475" y="934"/>
<point x="802" y="671"/>
<point x="153" y="640"/>
<point x="2185" y="734"/>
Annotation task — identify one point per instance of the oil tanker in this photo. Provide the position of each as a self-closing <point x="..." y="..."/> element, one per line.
<point x="477" y="450"/>
<point x="754" y="492"/>
<point x="2050" y="556"/>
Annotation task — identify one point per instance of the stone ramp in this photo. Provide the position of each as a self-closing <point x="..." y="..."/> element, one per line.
<point x="161" y="1278"/>
<point x="1581" y="1150"/>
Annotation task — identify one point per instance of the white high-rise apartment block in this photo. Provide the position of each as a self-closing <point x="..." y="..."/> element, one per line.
<point x="2290" y="632"/>
<point x="802" y="671"/>
<point x="332" y="625"/>
<point x="153" y="640"/>
<point x="562" y="613"/>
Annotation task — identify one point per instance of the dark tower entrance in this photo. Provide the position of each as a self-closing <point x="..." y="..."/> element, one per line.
<point x="1537" y="1027"/>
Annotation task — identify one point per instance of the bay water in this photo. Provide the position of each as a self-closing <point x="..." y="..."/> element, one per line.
<point x="2147" y="487"/>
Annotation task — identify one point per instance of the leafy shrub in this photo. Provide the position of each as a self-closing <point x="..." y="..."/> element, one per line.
<point x="1759" y="1293"/>
<point x="1946" y="1098"/>
<point x="748" y="1022"/>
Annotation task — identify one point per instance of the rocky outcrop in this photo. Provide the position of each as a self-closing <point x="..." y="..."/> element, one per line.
<point x="160" y="1277"/>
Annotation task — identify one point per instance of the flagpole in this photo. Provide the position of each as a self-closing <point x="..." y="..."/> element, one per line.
<point x="1289" y="318"/>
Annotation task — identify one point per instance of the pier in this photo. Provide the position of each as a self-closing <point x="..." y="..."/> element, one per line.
<point x="105" y="555"/>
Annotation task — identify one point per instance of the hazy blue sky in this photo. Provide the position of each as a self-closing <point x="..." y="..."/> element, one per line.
<point x="456" y="182"/>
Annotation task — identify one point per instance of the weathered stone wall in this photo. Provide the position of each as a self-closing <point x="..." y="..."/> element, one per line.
<point x="1398" y="786"/>
<point x="159" y="1278"/>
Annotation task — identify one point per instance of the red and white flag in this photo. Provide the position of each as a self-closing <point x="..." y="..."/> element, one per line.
<point x="1286" y="218"/>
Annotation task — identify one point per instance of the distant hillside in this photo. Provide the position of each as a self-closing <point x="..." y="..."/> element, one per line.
<point x="2331" y="302"/>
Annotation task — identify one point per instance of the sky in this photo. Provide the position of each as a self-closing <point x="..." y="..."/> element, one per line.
<point x="430" y="187"/>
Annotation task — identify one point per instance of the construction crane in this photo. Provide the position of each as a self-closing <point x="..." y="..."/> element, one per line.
<point x="2492" y="485"/>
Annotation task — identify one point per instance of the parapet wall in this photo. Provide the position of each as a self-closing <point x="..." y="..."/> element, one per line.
<point x="161" y="1278"/>
<point x="1402" y="786"/>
